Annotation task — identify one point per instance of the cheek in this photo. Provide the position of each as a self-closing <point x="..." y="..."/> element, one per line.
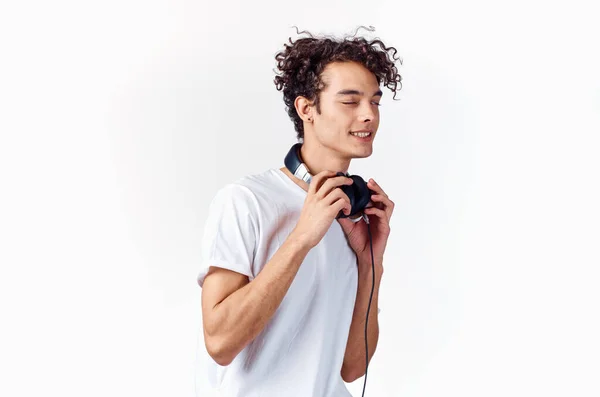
<point x="339" y="120"/>
<point x="343" y="118"/>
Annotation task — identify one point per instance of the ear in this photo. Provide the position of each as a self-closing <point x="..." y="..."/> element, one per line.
<point x="304" y="108"/>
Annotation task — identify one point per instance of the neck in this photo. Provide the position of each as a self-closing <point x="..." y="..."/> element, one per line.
<point x="319" y="158"/>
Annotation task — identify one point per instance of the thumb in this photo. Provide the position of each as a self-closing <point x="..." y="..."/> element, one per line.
<point x="346" y="224"/>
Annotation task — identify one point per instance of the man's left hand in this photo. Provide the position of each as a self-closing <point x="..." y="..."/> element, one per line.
<point x="379" y="210"/>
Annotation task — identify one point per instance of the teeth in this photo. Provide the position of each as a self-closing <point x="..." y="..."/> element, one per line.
<point x="361" y="134"/>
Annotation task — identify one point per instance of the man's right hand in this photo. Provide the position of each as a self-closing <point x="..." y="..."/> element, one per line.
<point x="321" y="206"/>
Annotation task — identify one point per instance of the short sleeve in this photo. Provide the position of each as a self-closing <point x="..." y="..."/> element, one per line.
<point x="230" y="232"/>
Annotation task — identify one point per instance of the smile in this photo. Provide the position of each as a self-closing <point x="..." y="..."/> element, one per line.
<point x="363" y="137"/>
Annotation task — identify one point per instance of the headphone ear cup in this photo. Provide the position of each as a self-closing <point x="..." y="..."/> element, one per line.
<point x="362" y="194"/>
<point x="359" y="195"/>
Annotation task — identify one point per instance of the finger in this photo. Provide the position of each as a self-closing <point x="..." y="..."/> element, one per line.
<point x="317" y="180"/>
<point x="378" y="201"/>
<point x="388" y="205"/>
<point x="375" y="187"/>
<point x="341" y="205"/>
<point x="335" y="195"/>
<point x="381" y="214"/>
<point x="331" y="183"/>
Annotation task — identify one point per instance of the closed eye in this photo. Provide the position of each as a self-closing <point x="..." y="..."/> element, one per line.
<point x="354" y="103"/>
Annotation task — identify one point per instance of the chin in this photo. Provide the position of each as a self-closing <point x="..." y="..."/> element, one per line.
<point x="360" y="154"/>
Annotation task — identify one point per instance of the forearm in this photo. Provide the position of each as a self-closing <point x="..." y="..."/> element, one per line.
<point x="240" y="317"/>
<point x="354" y="358"/>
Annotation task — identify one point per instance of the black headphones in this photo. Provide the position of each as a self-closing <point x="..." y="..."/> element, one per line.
<point x="358" y="192"/>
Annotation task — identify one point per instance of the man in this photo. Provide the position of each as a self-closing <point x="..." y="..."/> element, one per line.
<point x="286" y="285"/>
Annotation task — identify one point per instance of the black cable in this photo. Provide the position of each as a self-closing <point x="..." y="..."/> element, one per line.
<point x="366" y="218"/>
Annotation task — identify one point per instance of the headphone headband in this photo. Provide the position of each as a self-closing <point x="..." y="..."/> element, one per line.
<point x="293" y="162"/>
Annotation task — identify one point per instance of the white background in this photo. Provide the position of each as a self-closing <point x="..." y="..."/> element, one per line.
<point x="120" y="119"/>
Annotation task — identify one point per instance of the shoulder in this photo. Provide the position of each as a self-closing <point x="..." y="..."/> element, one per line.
<point x="259" y="182"/>
<point x="261" y="187"/>
<point x="251" y="192"/>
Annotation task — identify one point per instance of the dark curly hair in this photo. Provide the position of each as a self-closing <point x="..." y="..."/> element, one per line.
<point x="300" y="64"/>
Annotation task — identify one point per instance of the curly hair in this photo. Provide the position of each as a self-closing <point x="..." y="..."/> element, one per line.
<point x="300" y="64"/>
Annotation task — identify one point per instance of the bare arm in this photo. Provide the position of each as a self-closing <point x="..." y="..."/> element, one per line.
<point x="354" y="358"/>
<point x="235" y="311"/>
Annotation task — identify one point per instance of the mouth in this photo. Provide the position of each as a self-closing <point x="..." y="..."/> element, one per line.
<point x="362" y="136"/>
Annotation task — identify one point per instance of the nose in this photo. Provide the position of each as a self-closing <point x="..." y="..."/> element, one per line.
<point x="367" y="114"/>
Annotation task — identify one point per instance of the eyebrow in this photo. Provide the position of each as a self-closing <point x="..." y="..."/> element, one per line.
<point x="356" y="92"/>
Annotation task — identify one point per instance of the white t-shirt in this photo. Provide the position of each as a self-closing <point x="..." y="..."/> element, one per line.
<point x="300" y="351"/>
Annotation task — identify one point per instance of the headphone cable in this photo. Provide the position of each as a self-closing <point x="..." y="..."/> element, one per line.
<point x="366" y="218"/>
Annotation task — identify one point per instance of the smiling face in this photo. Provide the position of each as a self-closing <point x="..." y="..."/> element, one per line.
<point x="348" y="103"/>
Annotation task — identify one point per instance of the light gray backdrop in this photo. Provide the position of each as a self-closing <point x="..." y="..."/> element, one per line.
<point x="121" y="119"/>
